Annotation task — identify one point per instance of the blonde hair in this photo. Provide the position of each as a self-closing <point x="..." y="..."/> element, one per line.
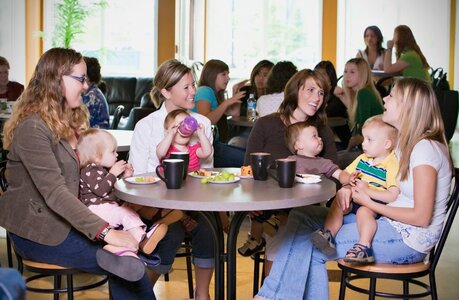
<point x="391" y="131"/>
<point x="365" y="81"/>
<point x="45" y="97"/>
<point x="169" y="74"/>
<point x="92" y="144"/>
<point x="420" y="119"/>
<point x="293" y="132"/>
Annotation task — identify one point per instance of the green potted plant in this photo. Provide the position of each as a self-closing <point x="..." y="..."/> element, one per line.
<point x="70" y="20"/>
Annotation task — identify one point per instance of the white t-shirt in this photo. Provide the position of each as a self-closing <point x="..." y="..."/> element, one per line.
<point x="379" y="60"/>
<point x="268" y="104"/>
<point x="434" y="154"/>
<point x="149" y="132"/>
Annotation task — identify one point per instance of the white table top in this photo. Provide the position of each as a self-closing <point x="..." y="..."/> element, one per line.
<point x="123" y="138"/>
<point x="245" y="195"/>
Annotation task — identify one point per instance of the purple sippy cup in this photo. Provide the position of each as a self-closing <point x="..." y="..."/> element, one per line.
<point x="188" y="126"/>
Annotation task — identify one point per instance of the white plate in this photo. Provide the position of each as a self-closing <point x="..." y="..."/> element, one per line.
<point x="308" y="178"/>
<point x="213" y="173"/>
<point x="133" y="180"/>
<point x="236" y="179"/>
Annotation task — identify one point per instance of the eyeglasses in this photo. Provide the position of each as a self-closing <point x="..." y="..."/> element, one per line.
<point x="81" y="79"/>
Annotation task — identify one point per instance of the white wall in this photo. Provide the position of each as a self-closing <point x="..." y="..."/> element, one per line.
<point x="429" y="21"/>
<point x="12" y="37"/>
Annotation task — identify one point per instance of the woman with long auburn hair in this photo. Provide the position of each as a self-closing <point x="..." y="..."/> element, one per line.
<point x="41" y="210"/>
<point x="410" y="62"/>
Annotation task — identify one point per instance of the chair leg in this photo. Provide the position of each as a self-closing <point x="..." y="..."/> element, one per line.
<point x="57" y="285"/>
<point x="433" y="286"/>
<point x="342" y="286"/>
<point x="166" y="277"/>
<point x="189" y="273"/>
<point x="8" y="251"/>
<point x="69" y="286"/>
<point x="256" y="272"/>
<point x="372" y="289"/>
<point x="406" y="289"/>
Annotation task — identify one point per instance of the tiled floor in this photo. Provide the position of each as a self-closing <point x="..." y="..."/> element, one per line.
<point x="176" y="288"/>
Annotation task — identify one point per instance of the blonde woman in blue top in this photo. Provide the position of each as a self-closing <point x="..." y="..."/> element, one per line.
<point x="410" y="60"/>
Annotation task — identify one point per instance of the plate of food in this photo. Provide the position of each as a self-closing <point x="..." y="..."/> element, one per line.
<point x="307" y="178"/>
<point x="202" y="173"/>
<point x="223" y="181"/>
<point x="221" y="177"/>
<point x="142" y="179"/>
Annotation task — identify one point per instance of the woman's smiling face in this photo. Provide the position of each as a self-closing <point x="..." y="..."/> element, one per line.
<point x="181" y="95"/>
<point x="310" y="98"/>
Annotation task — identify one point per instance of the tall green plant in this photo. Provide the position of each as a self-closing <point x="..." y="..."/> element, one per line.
<point x="70" y="20"/>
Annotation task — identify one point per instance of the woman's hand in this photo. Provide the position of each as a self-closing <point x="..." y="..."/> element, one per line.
<point x="390" y="44"/>
<point x="360" y="197"/>
<point x="239" y="85"/>
<point x="121" y="238"/>
<point x="344" y="197"/>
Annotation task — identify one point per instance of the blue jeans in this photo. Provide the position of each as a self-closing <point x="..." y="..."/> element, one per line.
<point x="79" y="252"/>
<point x="12" y="286"/>
<point x="299" y="270"/>
<point x="227" y="155"/>
<point x="201" y="241"/>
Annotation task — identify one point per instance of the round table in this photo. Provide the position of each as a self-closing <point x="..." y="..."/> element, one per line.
<point x="240" y="197"/>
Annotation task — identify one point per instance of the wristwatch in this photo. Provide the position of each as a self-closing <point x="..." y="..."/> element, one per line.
<point x="104" y="232"/>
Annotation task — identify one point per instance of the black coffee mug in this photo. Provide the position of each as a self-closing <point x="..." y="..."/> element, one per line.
<point x="186" y="158"/>
<point x="286" y="170"/>
<point x="260" y="164"/>
<point x="173" y="172"/>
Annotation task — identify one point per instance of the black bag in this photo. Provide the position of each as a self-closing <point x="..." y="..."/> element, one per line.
<point x="449" y="108"/>
<point x="439" y="80"/>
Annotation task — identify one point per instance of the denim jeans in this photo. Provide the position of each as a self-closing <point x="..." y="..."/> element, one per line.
<point x="299" y="270"/>
<point x="201" y="241"/>
<point x="228" y="155"/>
<point x="79" y="252"/>
<point x="12" y="286"/>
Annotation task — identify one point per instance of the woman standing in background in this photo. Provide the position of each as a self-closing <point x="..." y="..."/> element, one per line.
<point x="374" y="51"/>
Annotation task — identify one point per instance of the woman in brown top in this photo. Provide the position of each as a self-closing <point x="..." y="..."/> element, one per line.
<point x="41" y="210"/>
<point x="304" y="96"/>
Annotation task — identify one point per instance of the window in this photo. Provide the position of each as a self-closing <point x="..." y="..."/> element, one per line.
<point x="241" y="33"/>
<point x="429" y="21"/>
<point x="122" y="36"/>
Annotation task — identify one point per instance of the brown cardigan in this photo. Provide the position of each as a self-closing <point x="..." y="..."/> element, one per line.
<point x="42" y="203"/>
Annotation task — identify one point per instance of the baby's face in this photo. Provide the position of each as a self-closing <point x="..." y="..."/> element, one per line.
<point x="375" y="141"/>
<point x="309" y="142"/>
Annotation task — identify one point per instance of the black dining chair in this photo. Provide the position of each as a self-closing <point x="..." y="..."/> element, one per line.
<point x="408" y="274"/>
<point x="117" y="117"/>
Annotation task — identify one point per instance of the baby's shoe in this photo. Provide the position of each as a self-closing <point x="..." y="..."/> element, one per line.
<point x="323" y="240"/>
<point x="152" y="238"/>
<point x="360" y="254"/>
<point x="251" y="247"/>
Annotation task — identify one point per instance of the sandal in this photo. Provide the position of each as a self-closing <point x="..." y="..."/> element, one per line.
<point x="360" y="254"/>
<point x="124" y="264"/>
